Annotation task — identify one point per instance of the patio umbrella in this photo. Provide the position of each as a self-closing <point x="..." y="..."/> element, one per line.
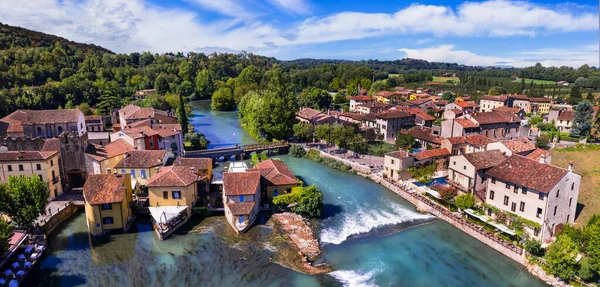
<point x="13" y="283"/>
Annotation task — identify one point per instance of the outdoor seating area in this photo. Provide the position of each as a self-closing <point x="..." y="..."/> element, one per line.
<point x="21" y="261"/>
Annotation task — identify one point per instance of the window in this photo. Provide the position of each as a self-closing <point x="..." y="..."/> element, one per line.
<point x="143" y="172"/>
<point x="538" y="213"/>
<point x="506" y="200"/>
<point x="275" y="192"/>
<point x="9" y="167"/>
<point x="524" y="190"/>
<point x="41" y="178"/>
<point x="513" y="206"/>
<point x="288" y="190"/>
<point x="53" y="175"/>
<point x="572" y="186"/>
<point x="60" y="130"/>
<point x="555" y="209"/>
<point x="491" y="194"/>
<point x="39" y="131"/>
<point x="516" y="190"/>
<point x="133" y="173"/>
<point x="106" y="206"/>
<point x="38" y="166"/>
<point x="493" y="180"/>
<point x="241" y="219"/>
<point x="51" y="163"/>
<point x="570" y="201"/>
<point x="508" y="185"/>
<point x="107" y="220"/>
<point x="123" y="171"/>
<point x="176" y="194"/>
<point x="165" y="195"/>
<point x="241" y="198"/>
<point x="454" y="163"/>
<point x="557" y="192"/>
<point x="21" y="167"/>
<point x="392" y="161"/>
<point x="522" y="206"/>
<point x="151" y="144"/>
<point x="541" y="196"/>
<point x="568" y="217"/>
<point x="465" y="167"/>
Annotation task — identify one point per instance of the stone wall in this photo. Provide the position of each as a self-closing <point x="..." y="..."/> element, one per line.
<point x="59" y="218"/>
<point x="355" y="166"/>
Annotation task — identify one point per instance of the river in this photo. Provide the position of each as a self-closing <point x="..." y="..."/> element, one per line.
<point x="370" y="236"/>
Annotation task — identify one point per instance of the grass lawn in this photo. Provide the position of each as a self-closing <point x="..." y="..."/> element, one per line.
<point x="537" y="82"/>
<point x="586" y="165"/>
<point x="375" y="149"/>
<point x="456" y="80"/>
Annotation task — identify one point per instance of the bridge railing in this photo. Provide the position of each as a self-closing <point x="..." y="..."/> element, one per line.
<point x="265" y="146"/>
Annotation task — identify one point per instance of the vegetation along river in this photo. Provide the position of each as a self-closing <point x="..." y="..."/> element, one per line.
<point x="370" y="236"/>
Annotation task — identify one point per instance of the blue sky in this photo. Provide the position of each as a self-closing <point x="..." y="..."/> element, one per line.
<point x="497" y="32"/>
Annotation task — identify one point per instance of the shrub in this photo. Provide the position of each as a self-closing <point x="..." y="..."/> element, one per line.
<point x="297" y="151"/>
<point x="448" y="193"/>
<point x="500" y="217"/>
<point x="308" y="201"/>
<point x="561" y="257"/>
<point x="533" y="247"/>
<point x="465" y="201"/>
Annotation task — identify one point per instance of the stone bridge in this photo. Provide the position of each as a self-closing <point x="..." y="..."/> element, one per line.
<point x="240" y="152"/>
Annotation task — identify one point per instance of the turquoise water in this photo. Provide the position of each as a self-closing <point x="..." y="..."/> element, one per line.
<point x="370" y="236"/>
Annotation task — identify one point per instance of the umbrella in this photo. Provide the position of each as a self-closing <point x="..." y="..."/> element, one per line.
<point x="16" y="265"/>
<point x="13" y="283"/>
<point x="8" y="272"/>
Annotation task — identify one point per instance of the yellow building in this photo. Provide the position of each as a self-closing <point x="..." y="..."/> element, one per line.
<point x="108" y="200"/>
<point x="541" y="105"/>
<point x="172" y="193"/>
<point x="142" y="164"/>
<point x="44" y="164"/>
<point x="388" y="97"/>
<point x="103" y="158"/>
<point x="276" y="178"/>
<point x="201" y="166"/>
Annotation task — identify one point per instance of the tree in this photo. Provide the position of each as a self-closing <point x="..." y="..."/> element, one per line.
<point x="447" y="193"/>
<point x="542" y="141"/>
<point x="496" y="91"/>
<point x="197" y="141"/>
<point x="6" y="233"/>
<point x="315" y="98"/>
<point x="592" y="245"/>
<point x="222" y="100"/>
<point x="405" y="141"/>
<point x="183" y="119"/>
<point x="297" y="151"/>
<point x="85" y="109"/>
<point x="308" y="201"/>
<point x="448" y="96"/>
<point x="424" y="173"/>
<point x="582" y="123"/>
<point x="268" y="114"/>
<point x="561" y="256"/>
<point x="186" y="89"/>
<point x="575" y="95"/>
<point x="161" y="85"/>
<point x="324" y="132"/>
<point x="465" y="201"/>
<point x="204" y="84"/>
<point x="303" y="131"/>
<point x="534" y="247"/>
<point x="23" y="199"/>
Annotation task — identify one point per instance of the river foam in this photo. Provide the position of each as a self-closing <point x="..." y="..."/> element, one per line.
<point x="350" y="278"/>
<point x="365" y="220"/>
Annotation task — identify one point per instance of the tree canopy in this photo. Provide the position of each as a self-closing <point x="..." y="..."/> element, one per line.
<point x="23" y="199"/>
<point x="582" y="123"/>
<point x="308" y="201"/>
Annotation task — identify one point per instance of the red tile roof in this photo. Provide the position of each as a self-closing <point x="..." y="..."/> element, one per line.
<point x="179" y="176"/>
<point x="145" y="113"/>
<point x="466" y="123"/>
<point x="386" y="94"/>
<point x="423" y="134"/>
<point x="507" y="109"/>
<point x="139" y="132"/>
<point x="495" y="117"/>
<point x="99" y="152"/>
<point x="197" y="163"/>
<point x="528" y="173"/>
<point x="466" y="104"/>
<point x="479" y="140"/>
<point x="376" y="105"/>
<point x="501" y="98"/>
<point x="539" y="153"/>
<point x="566" y="115"/>
<point x="361" y="98"/>
<point x="93" y="118"/>
<point x="275" y="172"/>
<point x="485" y="159"/>
<point x="456" y="112"/>
<point x="431" y="153"/>
<point x="519" y="97"/>
<point x="392" y="115"/>
<point x="241" y="208"/>
<point x="26" y="155"/>
<point x="142" y="159"/>
<point x="241" y="183"/>
<point x="14" y="122"/>
<point x="398" y="154"/>
<point x="540" y="100"/>
<point x="519" y="145"/>
<point x="308" y="113"/>
<point x="104" y="188"/>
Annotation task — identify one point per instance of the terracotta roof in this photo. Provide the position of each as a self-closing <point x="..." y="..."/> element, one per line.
<point x="466" y="123"/>
<point x="145" y="113"/>
<point x="142" y="123"/>
<point x="128" y="110"/>
<point x="386" y="94"/>
<point x="495" y="117"/>
<point x="14" y="122"/>
<point x="104" y="188"/>
<point x="507" y="109"/>
<point x="196" y="163"/>
<point x="540" y="100"/>
<point x="376" y="105"/>
<point x="528" y="173"/>
<point x="500" y="98"/>
<point x="456" y="111"/>
<point x="431" y="153"/>
<point x="466" y="104"/>
<point x="361" y="98"/>
<point x="52" y="144"/>
<point x="139" y="132"/>
<point x="99" y="152"/>
<point x="538" y="153"/>
<point x="423" y="134"/>
<point x="173" y="176"/>
<point x="353" y="116"/>
<point x="142" y="159"/>
<point x="456" y="140"/>
<point x="275" y="172"/>
<point x="519" y="97"/>
<point x="93" y="118"/>
<point x="392" y="115"/>
<point x="308" y="113"/>
<point x="369" y="117"/>
<point x="419" y="102"/>
<point x="26" y="155"/>
<point x="241" y="208"/>
<point x="479" y="140"/>
<point x="425" y="116"/>
<point x="566" y="115"/>
<point x="519" y="145"/>
<point x="441" y="103"/>
<point x="241" y="183"/>
<point x="398" y="154"/>
<point x="485" y="159"/>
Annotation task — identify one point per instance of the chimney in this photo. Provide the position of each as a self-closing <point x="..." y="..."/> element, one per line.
<point x="571" y="165"/>
<point x="542" y="159"/>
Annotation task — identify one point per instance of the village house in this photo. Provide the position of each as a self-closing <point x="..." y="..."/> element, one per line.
<point x="541" y="155"/>
<point x="520" y="146"/>
<point x="94" y="123"/>
<point x="103" y="158"/>
<point x="170" y="136"/>
<point x="467" y="144"/>
<point x="142" y="138"/>
<point x="204" y="168"/>
<point x="519" y="112"/>
<point x="421" y="118"/>
<point x="452" y="114"/>
<point x="424" y="136"/>
<point x="466" y="107"/>
<point x="488" y="103"/>
<point x="360" y="100"/>
<point x="172" y="193"/>
<point x="108" y="199"/>
<point x="42" y="123"/>
<point x="388" y="97"/>
<point x="536" y="191"/>
<point x="132" y="113"/>
<point x="422" y="104"/>
<point x="467" y="171"/>
<point x="142" y="164"/>
<point x="369" y="121"/>
<point x="373" y="108"/>
<point x="430" y="156"/>
<point x="44" y="164"/>
<point x="522" y="102"/>
<point x="495" y="125"/>
<point x="540" y="105"/>
<point x="562" y="118"/>
<point x="350" y="118"/>
<point x="389" y="123"/>
<point x="394" y="163"/>
<point x="314" y="117"/>
<point x="241" y="198"/>
<point x="276" y="178"/>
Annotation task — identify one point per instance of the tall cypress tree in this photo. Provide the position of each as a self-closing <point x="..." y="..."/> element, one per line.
<point x="183" y="120"/>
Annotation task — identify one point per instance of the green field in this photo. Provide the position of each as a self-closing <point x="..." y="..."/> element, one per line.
<point x="446" y="79"/>
<point x="536" y="82"/>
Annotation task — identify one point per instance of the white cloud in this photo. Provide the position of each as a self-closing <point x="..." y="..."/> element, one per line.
<point x="575" y="57"/>
<point x="232" y="8"/>
<point x="295" y="6"/>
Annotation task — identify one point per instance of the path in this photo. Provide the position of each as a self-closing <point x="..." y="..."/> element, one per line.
<point x="59" y="203"/>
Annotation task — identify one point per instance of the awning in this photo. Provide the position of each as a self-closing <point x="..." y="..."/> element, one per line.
<point x="489" y="221"/>
<point x="164" y="214"/>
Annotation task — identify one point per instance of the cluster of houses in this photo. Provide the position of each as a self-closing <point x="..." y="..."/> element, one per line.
<point x="482" y="149"/>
